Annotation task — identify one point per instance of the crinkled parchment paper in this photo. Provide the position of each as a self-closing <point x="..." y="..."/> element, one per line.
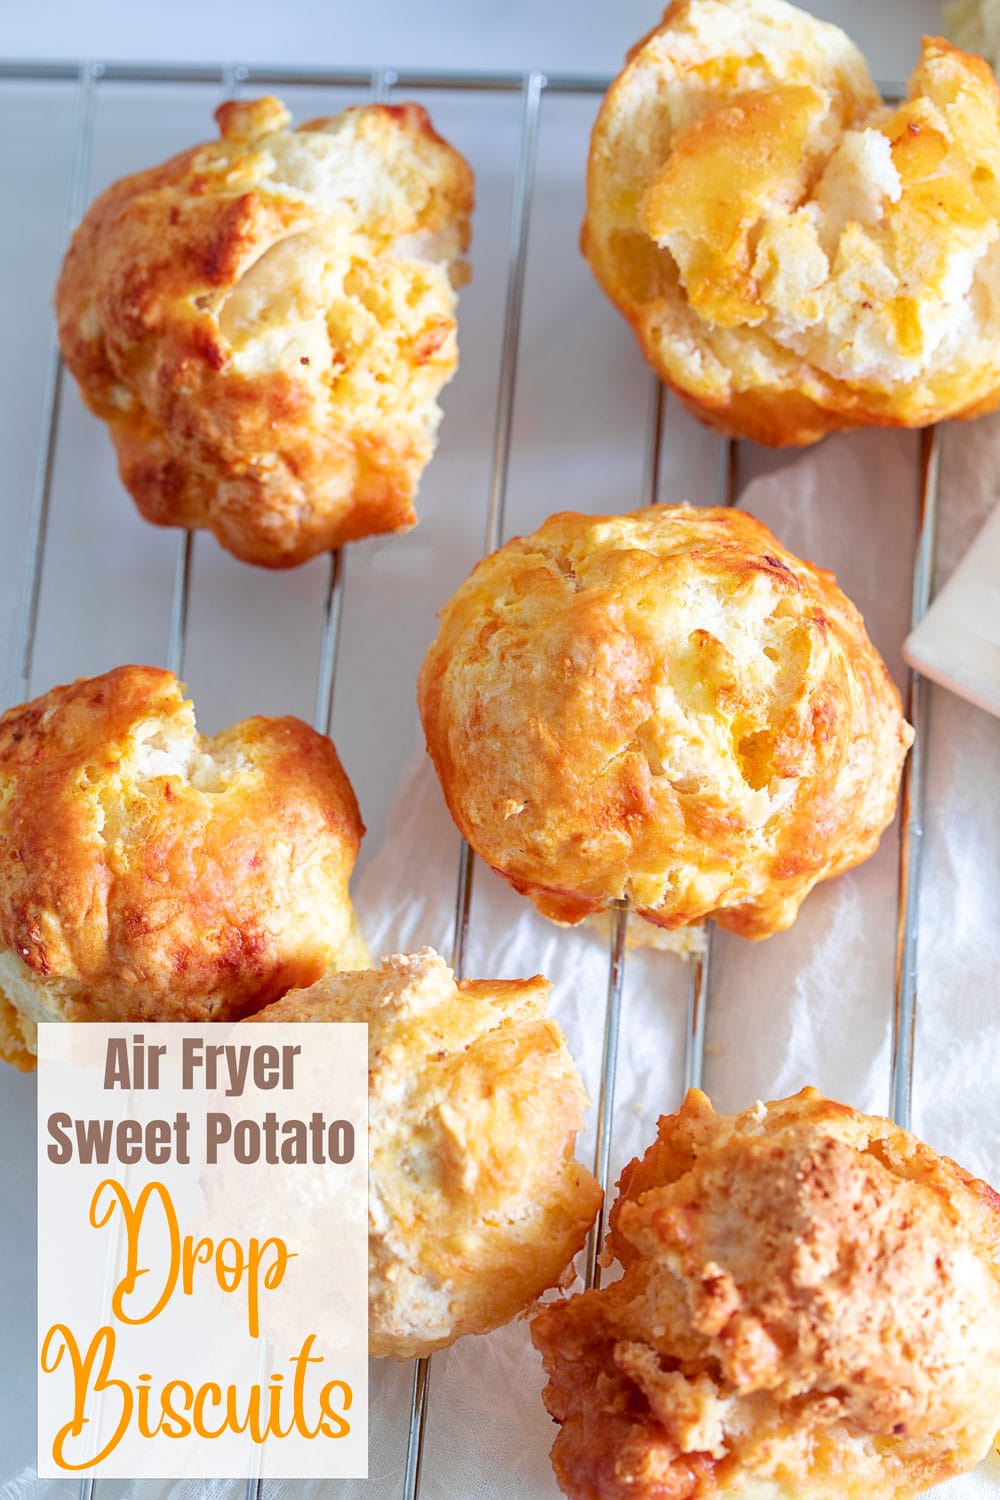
<point x="812" y="1005"/>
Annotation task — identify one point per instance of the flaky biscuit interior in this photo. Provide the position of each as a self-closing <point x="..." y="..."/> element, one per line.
<point x="151" y="873"/>
<point x="265" y="324"/>
<point x="476" y="1205"/>
<point x="810" y="1306"/>
<point x="667" y="708"/>
<point x="794" y="255"/>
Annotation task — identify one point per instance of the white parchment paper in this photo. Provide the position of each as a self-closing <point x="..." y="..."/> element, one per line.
<point x="812" y="1005"/>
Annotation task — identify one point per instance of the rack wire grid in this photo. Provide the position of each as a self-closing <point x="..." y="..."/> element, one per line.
<point x="530" y="91"/>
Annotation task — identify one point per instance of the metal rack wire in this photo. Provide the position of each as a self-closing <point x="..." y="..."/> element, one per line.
<point x="531" y="88"/>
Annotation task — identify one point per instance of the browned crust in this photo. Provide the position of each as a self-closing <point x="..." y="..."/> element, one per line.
<point x="274" y="463"/>
<point x="127" y="894"/>
<point x="476" y="1203"/>
<point x="801" y="403"/>
<point x="13" y="1048"/>
<point x="541" y="701"/>
<point x="811" y="1298"/>
<point x="783" y="416"/>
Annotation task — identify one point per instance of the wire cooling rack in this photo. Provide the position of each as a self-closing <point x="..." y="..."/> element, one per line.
<point x="530" y="89"/>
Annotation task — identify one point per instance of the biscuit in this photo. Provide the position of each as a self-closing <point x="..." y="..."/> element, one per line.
<point x="265" y="323"/>
<point x="810" y="1306"/>
<point x="476" y="1205"/>
<point x="794" y="256"/>
<point x="665" y="707"/>
<point x="148" y="873"/>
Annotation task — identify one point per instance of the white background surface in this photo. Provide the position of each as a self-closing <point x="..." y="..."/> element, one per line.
<point x="578" y="442"/>
<point x="558" y="34"/>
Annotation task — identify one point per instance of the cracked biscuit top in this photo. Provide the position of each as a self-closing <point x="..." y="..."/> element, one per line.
<point x="148" y="873"/>
<point x="265" y="324"/>
<point x="665" y="707"/>
<point x="475" y="1204"/>
<point x="810" y="1307"/>
<point x="794" y="255"/>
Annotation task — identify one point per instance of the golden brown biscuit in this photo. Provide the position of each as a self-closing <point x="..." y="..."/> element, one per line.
<point x="810" y="1306"/>
<point x="13" y="1048"/>
<point x="476" y="1205"/>
<point x="666" y="707"/>
<point x="265" y="323"/>
<point x="794" y="256"/>
<point x="149" y="873"/>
